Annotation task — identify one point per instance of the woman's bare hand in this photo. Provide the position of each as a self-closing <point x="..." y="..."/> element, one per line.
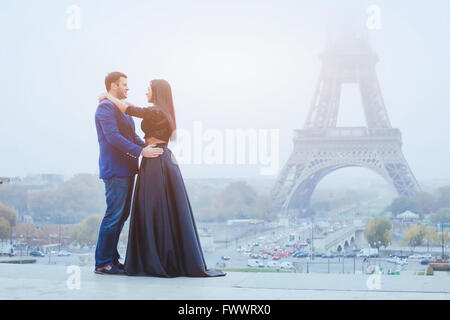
<point x="152" y="151"/>
<point x="102" y="97"/>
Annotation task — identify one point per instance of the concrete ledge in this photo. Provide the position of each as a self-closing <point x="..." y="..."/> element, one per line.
<point x="51" y="282"/>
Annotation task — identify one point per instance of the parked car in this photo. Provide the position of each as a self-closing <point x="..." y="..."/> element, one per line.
<point x="397" y="260"/>
<point x="421" y="256"/>
<point x="275" y="257"/>
<point x="300" y="254"/>
<point x="350" y="255"/>
<point x="368" y="252"/>
<point x="425" y="262"/>
<point x="318" y="254"/>
<point x="64" y="253"/>
<point x="399" y="255"/>
<point x="273" y="264"/>
<point x="255" y="263"/>
<point x="36" y="254"/>
<point x="226" y="258"/>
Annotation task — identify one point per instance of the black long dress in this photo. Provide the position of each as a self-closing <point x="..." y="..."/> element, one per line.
<point x="163" y="239"/>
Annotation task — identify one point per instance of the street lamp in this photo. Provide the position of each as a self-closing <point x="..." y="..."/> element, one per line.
<point x="59" y="230"/>
<point x="442" y="239"/>
<point x="312" y="238"/>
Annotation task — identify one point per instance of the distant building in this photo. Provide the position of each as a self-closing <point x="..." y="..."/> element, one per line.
<point x="40" y="181"/>
<point x="408" y="216"/>
<point x="27" y="219"/>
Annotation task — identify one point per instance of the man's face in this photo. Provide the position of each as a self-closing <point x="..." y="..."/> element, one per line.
<point x="121" y="88"/>
<point x="149" y="93"/>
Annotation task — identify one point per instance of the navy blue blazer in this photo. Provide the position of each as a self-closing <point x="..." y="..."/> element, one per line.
<point x="120" y="147"/>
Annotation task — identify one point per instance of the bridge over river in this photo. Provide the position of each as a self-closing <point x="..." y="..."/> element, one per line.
<point x="348" y="238"/>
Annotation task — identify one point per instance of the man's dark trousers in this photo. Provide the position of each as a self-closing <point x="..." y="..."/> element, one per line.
<point x="118" y="192"/>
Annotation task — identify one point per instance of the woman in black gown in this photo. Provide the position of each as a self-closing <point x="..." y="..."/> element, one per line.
<point x="163" y="239"/>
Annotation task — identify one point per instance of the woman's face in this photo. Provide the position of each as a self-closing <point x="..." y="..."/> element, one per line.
<point x="149" y="93"/>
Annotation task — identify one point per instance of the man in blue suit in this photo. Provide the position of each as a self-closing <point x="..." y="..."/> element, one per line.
<point x="120" y="149"/>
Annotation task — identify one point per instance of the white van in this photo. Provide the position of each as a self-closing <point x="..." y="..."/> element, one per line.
<point x="368" y="252"/>
<point x="286" y="265"/>
<point x="273" y="264"/>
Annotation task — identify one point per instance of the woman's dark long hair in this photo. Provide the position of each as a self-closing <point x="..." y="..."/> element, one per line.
<point x="162" y="98"/>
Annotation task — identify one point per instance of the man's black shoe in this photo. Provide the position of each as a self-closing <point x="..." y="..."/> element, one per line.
<point x="114" y="271"/>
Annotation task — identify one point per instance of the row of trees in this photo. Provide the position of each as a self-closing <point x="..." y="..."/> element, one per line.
<point x="419" y="235"/>
<point x="69" y="203"/>
<point x="422" y="203"/>
<point x="86" y="232"/>
<point x="83" y="196"/>
<point x="378" y="234"/>
<point x="8" y="219"/>
<point x="237" y="201"/>
<point x="324" y="201"/>
<point x="79" y="203"/>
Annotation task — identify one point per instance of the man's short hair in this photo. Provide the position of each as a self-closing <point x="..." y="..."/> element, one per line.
<point x="113" y="77"/>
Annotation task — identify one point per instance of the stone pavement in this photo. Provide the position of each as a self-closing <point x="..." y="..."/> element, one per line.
<point x="56" y="282"/>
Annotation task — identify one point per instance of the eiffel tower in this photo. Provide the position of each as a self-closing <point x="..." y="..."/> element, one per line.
<point x="322" y="147"/>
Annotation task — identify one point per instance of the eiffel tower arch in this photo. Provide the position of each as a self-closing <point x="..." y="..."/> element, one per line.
<point x="322" y="148"/>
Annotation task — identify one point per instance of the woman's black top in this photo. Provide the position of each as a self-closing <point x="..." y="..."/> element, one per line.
<point x="155" y="121"/>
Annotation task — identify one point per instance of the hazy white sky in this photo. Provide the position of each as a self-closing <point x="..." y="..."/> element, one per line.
<point x="231" y="64"/>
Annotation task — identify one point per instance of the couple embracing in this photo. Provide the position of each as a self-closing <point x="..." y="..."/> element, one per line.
<point x="162" y="239"/>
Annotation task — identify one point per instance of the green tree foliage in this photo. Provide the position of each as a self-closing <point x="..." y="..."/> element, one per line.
<point x="378" y="232"/>
<point x="443" y="198"/>
<point x="415" y="236"/>
<point x="8" y="214"/>
<point x="442" y="216"/>
<point x="431" y="235"/>
<point x="237" y="201"/>
<point x="72" y="201"/>
<point x="324" y="201"/>
<point x="5" y="228"/>
<point x="14" y="196"/>
<point x="401" y="204"/>
<point x="86" y="232"/>
<point x="424" y="203"/>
